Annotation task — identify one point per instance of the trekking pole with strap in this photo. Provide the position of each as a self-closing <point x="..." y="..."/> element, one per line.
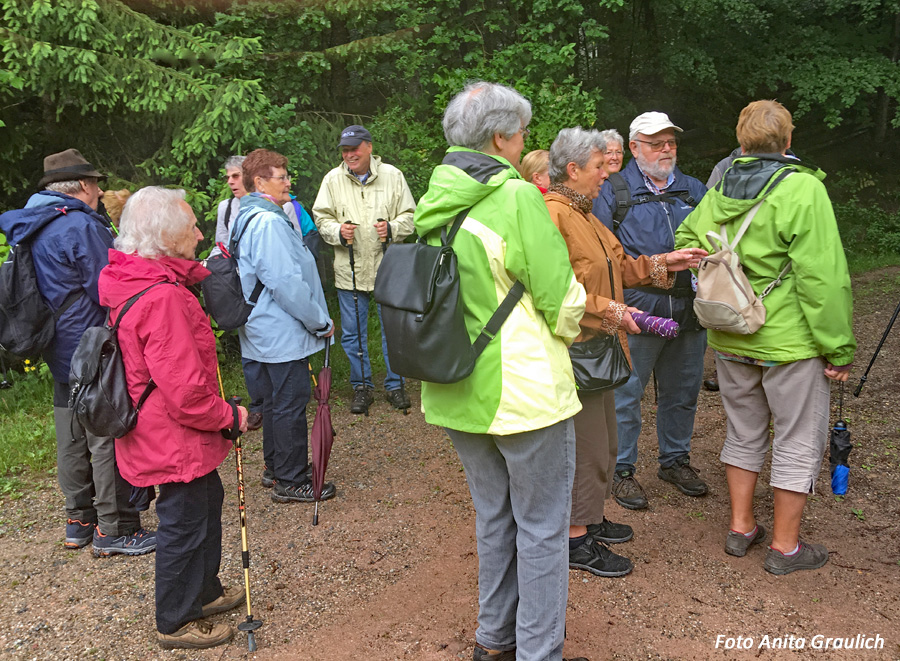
<point x="359" y="350"/>
<point x="887" y="331"/>
<point x="250" y="625"/>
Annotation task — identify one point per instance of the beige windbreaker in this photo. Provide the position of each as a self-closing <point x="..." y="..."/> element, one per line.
<point x="342" y="199"/>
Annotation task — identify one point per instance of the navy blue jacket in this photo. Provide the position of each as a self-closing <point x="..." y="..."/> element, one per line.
<point x="649" y="229"/>
<point x="68" y="256"/>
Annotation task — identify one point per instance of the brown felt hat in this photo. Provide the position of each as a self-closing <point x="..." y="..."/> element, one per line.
<point x="67" y="165"/>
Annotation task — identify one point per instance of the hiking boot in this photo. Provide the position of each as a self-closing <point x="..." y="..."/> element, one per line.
<point x="627" y="491"/>
<point x="483" y="654"/>
<point x="737" y="543"/>
<point x="302" y="493"/>
<point x="254" y="420"/>
<point x="196" y="635"/>
<point x="810" y="556"/>
<point x="609" y="532"/>
<point x="362" y="400"/>
<point x="232" y="597"/>
<point x="78" y="534"/>
<point x="268" y="478"/>
<point x="138" y="543"/>
<point x="684" y="477"/>
<point x="398" y="398"/>
<point x="597" y="558"/>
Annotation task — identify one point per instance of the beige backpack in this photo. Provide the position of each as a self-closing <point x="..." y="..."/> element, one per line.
<point x="725" y="300"/>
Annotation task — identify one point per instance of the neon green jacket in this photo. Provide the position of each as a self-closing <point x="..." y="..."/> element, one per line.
<point x="811" y="313"/>
<point x="523" y="381"/>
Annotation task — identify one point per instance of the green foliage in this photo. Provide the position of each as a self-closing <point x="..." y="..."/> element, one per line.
<point x="27" y="435"/>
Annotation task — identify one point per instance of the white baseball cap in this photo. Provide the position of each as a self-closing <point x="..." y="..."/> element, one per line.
<point x="650" y="123"/>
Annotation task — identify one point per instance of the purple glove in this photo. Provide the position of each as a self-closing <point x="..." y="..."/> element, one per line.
<point x="662" y="326"/>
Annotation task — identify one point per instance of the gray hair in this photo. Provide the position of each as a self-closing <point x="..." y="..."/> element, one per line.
<point x="234" y="162"/>
<point x="612" y="135"/>
<point x="574" y="145"/>
<point x="71" y="187"/>
<point x="482" y="109"/>
<point x="151" y="217"/>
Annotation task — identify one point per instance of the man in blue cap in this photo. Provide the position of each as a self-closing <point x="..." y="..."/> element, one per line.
<point x="362" y="205"/>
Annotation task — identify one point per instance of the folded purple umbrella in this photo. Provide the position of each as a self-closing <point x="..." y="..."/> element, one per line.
<point x="662" y="326"/>
<point x="322" y="435"/>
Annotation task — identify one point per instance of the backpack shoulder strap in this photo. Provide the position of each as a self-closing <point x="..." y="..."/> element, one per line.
<point x="622" y="198"/>
<point x="228" y="212"/>
<point x="233" y="249"/>
<point x="131" y="301"/>
<point x="492" y="327"/>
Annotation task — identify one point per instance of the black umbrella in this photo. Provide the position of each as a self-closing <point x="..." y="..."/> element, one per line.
<point x="840" y="450"/>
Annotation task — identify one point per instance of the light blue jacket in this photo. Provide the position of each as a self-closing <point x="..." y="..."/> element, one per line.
<point x="291" y="316"/>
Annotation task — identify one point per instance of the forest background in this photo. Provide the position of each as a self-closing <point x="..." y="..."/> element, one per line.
<point x="161" y="92"/>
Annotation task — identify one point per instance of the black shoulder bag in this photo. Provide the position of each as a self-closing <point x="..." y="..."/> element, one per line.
<point x="599" y="363"/>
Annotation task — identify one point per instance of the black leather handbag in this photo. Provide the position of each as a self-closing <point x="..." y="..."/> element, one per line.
<point x="417" y="287"/>
<point x="599" y="363"/>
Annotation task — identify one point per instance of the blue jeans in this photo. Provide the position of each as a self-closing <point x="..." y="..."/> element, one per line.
<point x="361" y="370"/>
<point x="285" y="390"/>
<point x="521" y="488"/>
<point x="679" y="374"/>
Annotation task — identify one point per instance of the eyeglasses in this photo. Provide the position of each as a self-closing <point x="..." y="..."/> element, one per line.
<point x="615" y="152"/>
<point x="525" y="132"/>
<point x="659" y="145"/>
<point x="286" y="178"/>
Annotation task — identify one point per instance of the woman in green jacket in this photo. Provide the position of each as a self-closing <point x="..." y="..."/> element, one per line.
<point x="783" y="369"/>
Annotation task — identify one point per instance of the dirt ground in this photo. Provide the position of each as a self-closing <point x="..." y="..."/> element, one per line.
<point x="390" y="571"/>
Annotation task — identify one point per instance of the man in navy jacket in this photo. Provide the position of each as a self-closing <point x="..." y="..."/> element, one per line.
<point x="68" y="255"/>
<point x="661" y="197"/>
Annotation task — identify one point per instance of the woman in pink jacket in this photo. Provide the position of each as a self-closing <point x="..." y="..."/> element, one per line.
<point x="177" y="443"/>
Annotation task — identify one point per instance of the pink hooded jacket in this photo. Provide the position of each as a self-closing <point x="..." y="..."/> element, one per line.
<point x="166" y="335"/>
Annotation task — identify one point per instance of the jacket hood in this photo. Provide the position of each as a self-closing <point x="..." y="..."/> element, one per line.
<point x="464" y="178"/>
<point x="128" y="274"/>
<point x="258" y="202"/>
<point x="18" y="223"/>
<point x="748" y="180"/>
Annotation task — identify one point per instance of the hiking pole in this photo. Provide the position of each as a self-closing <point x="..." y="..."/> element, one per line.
<point x="887" y="330"/>
<point x="359" y="350"/>
<point x="383" y="239"/>
<point x="249" y="625"/>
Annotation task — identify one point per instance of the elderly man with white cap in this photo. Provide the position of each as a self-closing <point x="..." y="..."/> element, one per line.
<point x="644" y="205"/>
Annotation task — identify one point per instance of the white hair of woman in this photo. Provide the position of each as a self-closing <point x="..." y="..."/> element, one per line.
<point x="612" y="135"/>
<point x="152" y="217"/>
<point x="234" y="162"/>
<point x="575" y="145"/>
<point x="482" y="109"/>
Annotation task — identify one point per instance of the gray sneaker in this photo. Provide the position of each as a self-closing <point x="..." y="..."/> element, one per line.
<point x="684" y="477"/>
<point x="810" y="556"/>
<point x="627" y="491"/>
<point x="737" y="543"/>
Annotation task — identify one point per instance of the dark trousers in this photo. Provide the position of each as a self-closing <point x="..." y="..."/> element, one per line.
<point x="285" y="390"/>
<point x="188" y="550"/>
<point x="256" y="400"/>
<point x="88" y="476"/>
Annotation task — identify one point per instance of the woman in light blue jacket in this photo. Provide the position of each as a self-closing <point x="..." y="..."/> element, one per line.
<point x="289" y="323"/>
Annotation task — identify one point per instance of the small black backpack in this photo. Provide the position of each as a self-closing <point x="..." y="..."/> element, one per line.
<point x="98" y="389"/>
<point x="223" y="296"/>
<point x="27" y="324"/>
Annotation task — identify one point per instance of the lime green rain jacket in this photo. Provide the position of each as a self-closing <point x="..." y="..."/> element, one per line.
<point x="811" y="313"/>
<point x="523" y="381"/>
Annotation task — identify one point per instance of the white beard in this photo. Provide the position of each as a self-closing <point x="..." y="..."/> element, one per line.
<point x="655" y="170"/>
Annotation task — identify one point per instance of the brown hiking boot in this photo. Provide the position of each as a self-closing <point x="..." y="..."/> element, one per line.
<point x="627" y="491"/>
<point x="196" y="635"/>
<point x="232" y="597"/>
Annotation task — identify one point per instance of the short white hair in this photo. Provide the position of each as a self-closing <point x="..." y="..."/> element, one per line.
<point x="575" y="145"/>
<point x="71" y="187"/>
<point x="234" y="163"/>
<point x="612" y="135"/>
<point x="482" y="109"/>
<point x="150" y="219"/>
